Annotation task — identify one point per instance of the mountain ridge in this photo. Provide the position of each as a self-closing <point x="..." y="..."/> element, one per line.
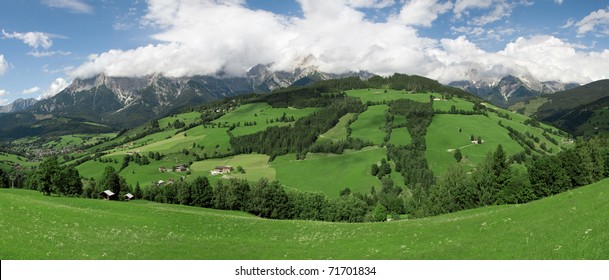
<point x="511" y="89"/>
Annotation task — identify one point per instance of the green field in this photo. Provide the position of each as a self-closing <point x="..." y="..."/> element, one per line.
<point x="370" y="125"/>
<point x="446" y="104"/>
<point x="9" y="160"/>
<point x="95" y="169"/>
<point x="378" y="95"/>
<point x="262" y="114"/>
<point x="186" y="118"/>
<point x="400" y="136"/>
<point x="572" y="225"/>
<point x="339" y="131"/>
<point x="330" y="173"/>
<point x="530" y="106"/>
<point x="443" y="137"/>
<point x="255" y="166"/>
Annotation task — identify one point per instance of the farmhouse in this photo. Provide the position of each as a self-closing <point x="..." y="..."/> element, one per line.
<point x="221" y="170"/>
<point x="107" y="194"/>
<point x="180" y="168"/>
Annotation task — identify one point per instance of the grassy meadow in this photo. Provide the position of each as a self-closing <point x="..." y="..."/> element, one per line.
<point x="330" y="173"/>
<point x="571" y="225"/>
<point x="339" y="131"/>
<point x="370" y="125"/>
<point x="443" y="138"/>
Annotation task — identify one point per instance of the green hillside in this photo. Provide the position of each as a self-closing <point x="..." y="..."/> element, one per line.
<point x="580" y="111"/>
<point x="572" y="225"/>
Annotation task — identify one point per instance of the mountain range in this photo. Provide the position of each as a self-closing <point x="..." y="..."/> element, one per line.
<point x="18" y="105"/>
<point x="511" y="89"/>
<point x="124" y="102"/>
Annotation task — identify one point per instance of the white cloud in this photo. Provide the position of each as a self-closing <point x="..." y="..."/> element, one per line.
<point x="491" y="10"/>
<point x="32" y="39"/>
<point x="31" y="90"/>
<point x="56" y="86"/>
<point x="377" y="4"/>
<point x="213" y="36"/>
<point x="3" y="101"/>
<point x="559" y="2"/>
<point x="423" y="12"/>
<point x="76" y="6"/>
<point x="597" y="21"/>
<point x="462" y="6"/>
<point x="3" y="65"/>
<point x="544" y="57"/>
<point x="36" y="53"/>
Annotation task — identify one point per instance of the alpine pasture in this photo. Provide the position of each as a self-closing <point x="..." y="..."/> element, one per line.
<point x="571" y="225"/>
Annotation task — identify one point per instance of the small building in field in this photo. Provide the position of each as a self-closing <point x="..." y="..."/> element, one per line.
<point x="162" y="169"/>
<point x="221" y="170"/>
<point x="107" y="194"/>
<point x="180" y="168"/>
<point x="160" y="183"/>
<point x="129" y="196"/>
<point x="170" y="181"/>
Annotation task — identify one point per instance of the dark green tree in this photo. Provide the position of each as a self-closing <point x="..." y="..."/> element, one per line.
<point x="269" y="200"/>
<point x="71" y="182"/>
<point x="374" y="170"/>
<point x="379" y="213"/>
<point x="202" y="193"/>
<point x="458" y="155"/>
<point x="110" y="180"/>
<point x="49" y="178"/>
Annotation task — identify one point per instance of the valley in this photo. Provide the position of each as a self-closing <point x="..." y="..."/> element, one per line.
<point x="369" y="154"/>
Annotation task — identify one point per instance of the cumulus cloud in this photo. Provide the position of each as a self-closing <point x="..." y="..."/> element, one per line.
<point x="3" y="92"/>
<point x="3" y="65"/>
<point x="31" y="90"/>
<point x="423" y="12"/>
<point x="214" y="37"/>
<point x="56" y="86"/>
<point x="597" y="21"/>
<point x="32" y="39"/>
<point x="546" y="58"/>
<point x="75" y="6"/>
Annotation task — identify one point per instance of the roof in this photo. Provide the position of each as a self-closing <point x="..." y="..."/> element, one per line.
<point x="108" y="192"/>
<point x="129" y="195"/>
<point x="224" y="167"/>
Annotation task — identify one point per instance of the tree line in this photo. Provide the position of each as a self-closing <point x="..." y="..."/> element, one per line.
<point x="281" y="140"/>
<point x="496" y="181"/>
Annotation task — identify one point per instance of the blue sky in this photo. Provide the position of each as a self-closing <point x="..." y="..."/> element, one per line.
<point x="45" y="44"/>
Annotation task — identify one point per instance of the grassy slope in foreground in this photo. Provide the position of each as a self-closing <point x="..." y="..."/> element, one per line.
<point x="572" y="225"/>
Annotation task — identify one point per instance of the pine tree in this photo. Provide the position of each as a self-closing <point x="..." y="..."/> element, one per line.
<point x="458" y="155"/>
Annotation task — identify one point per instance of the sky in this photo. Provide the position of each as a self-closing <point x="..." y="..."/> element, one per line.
<point x="46" y="44"/>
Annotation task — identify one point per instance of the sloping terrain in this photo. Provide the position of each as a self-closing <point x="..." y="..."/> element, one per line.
<point x="578" y="111"/>
<point x="572" y="225"/>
